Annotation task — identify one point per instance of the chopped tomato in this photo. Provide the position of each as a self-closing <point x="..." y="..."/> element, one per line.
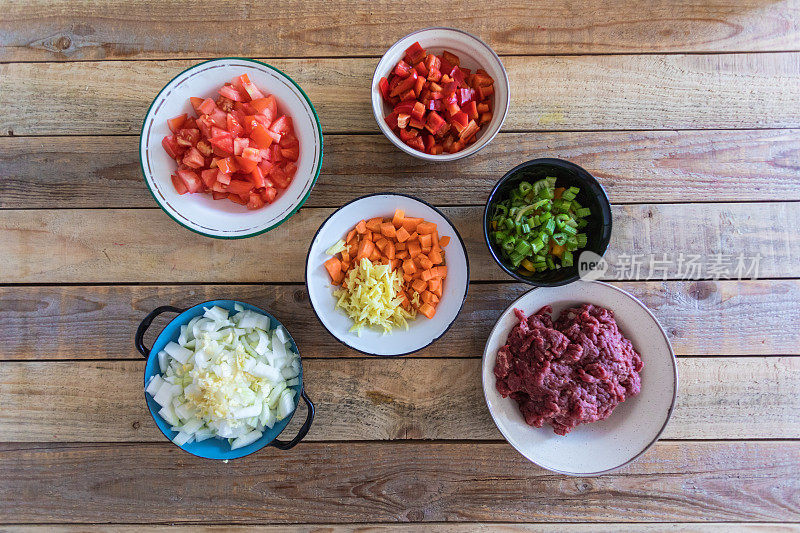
<point x="238" y="147"/>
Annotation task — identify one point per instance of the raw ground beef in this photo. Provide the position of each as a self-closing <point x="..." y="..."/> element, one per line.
<point x="568" y="373"/>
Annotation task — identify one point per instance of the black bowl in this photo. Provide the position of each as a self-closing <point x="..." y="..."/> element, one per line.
<point x="592" y="195"/>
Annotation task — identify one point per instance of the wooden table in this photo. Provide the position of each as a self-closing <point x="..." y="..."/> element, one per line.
<point x="688" y="112"/>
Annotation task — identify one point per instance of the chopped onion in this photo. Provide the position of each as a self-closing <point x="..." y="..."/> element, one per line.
<point x="227" y="377"/>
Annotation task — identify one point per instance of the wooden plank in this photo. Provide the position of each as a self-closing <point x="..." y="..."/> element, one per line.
<point x="122" y="245"/>
<point x="663" y="166"/>
<point x="374" y="399"/>
<point x="63" y="30"/>
<point x="744" y="317"/>
<point x="471" y="527"/>
<point x="399" y="482"/>
<point x="604" y="92"/>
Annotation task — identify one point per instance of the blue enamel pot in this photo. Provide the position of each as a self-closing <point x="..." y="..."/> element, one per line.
<point x="214" y="448"/>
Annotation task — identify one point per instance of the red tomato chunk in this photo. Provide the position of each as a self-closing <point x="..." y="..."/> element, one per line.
<point x="238" y="147"/>
<point x="437" y="105"/>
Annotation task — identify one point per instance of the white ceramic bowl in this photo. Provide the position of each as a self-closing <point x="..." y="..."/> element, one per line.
<point x="422" y="331"/>
<point x="634" y="426"/>
<point x="474" y="54"/>
<point x="199" y="212"/>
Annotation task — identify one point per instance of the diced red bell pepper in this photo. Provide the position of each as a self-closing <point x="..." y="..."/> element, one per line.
<point x="414" y="54"/>
<point x="429" y="141"/>
<point x="451" y="58"/>
<point x="458" y="76"/>
<point x="418" y="111"/>
<point x="407" y="134"/>
<point x="471" y="129"/>
<point x="435" y="105"/>
<point x="414" y="123"/>
<point x="471" y="109"/>
<point x="434" y="123"/>
<point x="485" y="91"/>
<point x="403" y="69"/>
<point x="416" y="143"/>
<point x="391" y="119"/>
<point x="452" y="108"/>
<point x="418" y="86"/>
<point x="433" y="61"/>
<point x="405" y="85"/>
<point x="434" y="74"/>
<point x="421" y="69"/>
<point x="486" y="117"/>
<point x="459" y="121"/>
<point x="383" y="86"/>
<point x="406" y="106"/>
<point x="465" y="95"/>
<point x="482" y="79"/>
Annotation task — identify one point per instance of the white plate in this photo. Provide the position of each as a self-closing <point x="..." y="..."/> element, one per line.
<point x="199" y="212"/>
<point x="422" y="331"/>
<point x="474" y="54"/>
<point x="596" y="448"/>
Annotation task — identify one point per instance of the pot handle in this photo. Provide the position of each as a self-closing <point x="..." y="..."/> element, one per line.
<point x="140" y="331"/>
<point x="285" y="445"/>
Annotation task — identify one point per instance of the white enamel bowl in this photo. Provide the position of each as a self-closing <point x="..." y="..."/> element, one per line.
<point x="474" y="54"/>
<point x="199" y="212"/>
<point x="634" y="426"/>
<point x="422" y="331"/>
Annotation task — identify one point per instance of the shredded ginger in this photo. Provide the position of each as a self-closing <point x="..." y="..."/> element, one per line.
<point x="369" y="296"/>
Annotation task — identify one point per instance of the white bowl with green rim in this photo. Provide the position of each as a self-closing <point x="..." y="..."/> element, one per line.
<point x="200" y="212"/>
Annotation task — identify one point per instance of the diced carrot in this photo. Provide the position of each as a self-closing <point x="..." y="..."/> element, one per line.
<point x="361" y="227"/>
<point x="397" y="220"/>
<point x="557" y="250"/>
<point x="558" y="192"/>
<point x="394" y="263"/>
<point x="345" y="266"/>
<point x="426" y="241"/>
<point x="403" y="235"/>
<point x="414" y="237"/>
<point x="424" y="262"/>
<point x="353" y="249"/>
<point x="410" y="223"/>
<point x="375" y="255"/>
<point x="406" y="303"/>
<point x="400" y="254"/>
<point x="427" y="309"/>
<point x="419" y="285"/>
<point x="334" y="268"/>
<point x="400" y="246"/>
<point x="434" y="284"/>
<point x="442" y="271"/>
<point x="388" y="229"/>
<point x="409" y="267"/>
<point x="345" y="255"/>
<point x="429" y="298"/>
<point x="438" y="291"/>
<point x="414" y="249"/>
<point x="384" y="261"/>
<point x="381" y="244"/>
<point x="427" y="275"/>
<point x="435" y="237"/>
<point x="374" y="224"/>
<point x="436" y="257"/>
<point x="367" y="235"/>
<point x="424" y="228"/>
<point x="407" y="278"/>
<point x="389" y="251"/>
<point x="351" y="236"/>
<point x="365" y="249"/>
<point x="444" y="241"/>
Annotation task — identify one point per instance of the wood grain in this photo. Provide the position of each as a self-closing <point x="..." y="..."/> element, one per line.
<point x="470" y="527"/>
<point x="742" y="317"/>
<point x="401" y="482"/>
<point x="123" y="245"/>
<point x="658" y="166"/>
<point x="47" y="30"/>
<point x="374" y="399"/>
<point x="603" y="93"/>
